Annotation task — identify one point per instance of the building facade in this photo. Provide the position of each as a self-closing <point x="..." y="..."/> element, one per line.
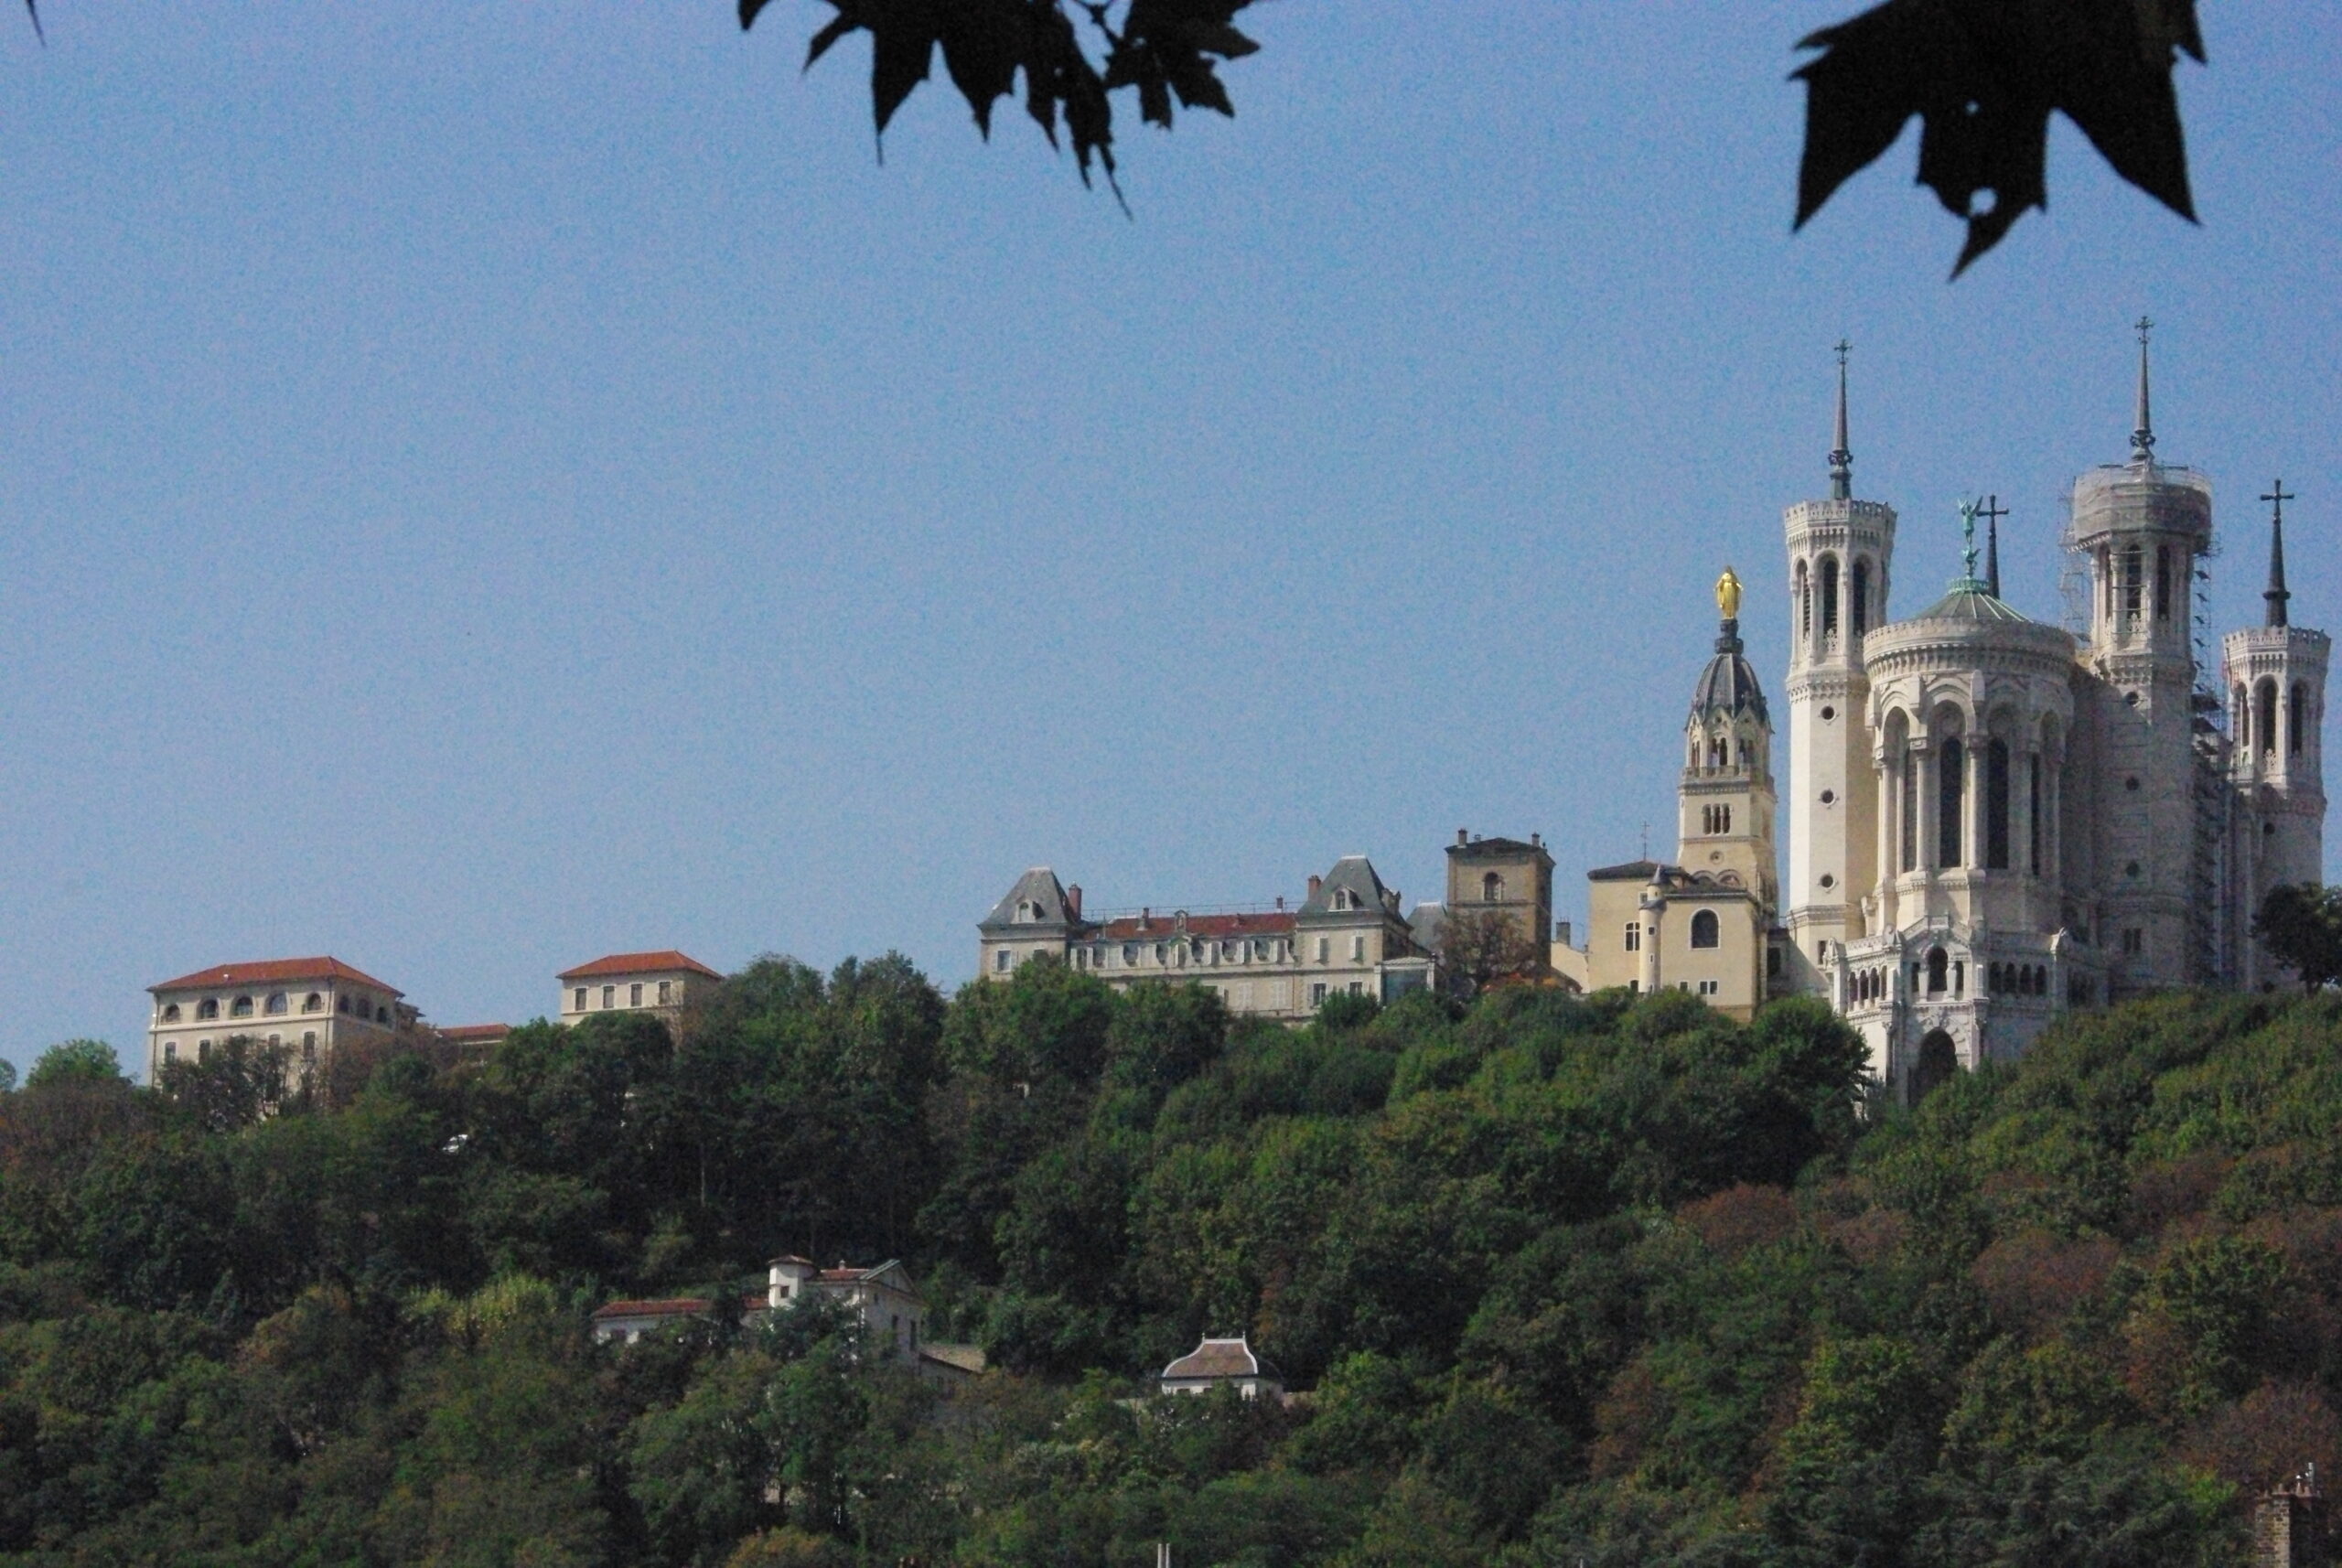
<point x="662" y="983"/>
<point x="1990" y="819"/>
<point x="1345" y="937"/>
<point x="306" y="1006"/>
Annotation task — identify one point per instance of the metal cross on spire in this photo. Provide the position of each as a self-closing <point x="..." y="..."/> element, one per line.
<point x="2275" y="596"/>
<point x="2143" y="435"/>
<point x="1991" y="511"/>
<point x="1841" y="459"/>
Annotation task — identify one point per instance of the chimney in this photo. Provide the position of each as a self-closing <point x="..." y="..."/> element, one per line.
<point x="1315" y="884"/>
<point x="1145" y="913"/>
<point x="1463" y="837"/>
<point x="1073" y="901"/>
<point x="1279" y="900"/>
<point x="1536" y="840"/>
<point x="1562" y="932"/>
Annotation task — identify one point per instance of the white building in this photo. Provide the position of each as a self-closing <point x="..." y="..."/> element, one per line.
<point x="1347" y="937"/>
<point x="309" y="1007"/>
<point x="663" y="983"/>
<point x="1222" y="1364"/>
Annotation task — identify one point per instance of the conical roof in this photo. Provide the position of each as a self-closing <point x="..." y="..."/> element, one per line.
<point x="1969" y="600"/>
<point x="1728" y="685"/>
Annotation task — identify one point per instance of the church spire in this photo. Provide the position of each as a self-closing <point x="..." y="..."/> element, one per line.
<point x="1841" y="460"/>
<point x="2143" y="435"/>
<point x="2275" y="594"/>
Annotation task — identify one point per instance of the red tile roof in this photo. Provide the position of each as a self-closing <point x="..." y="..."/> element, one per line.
<point x="1163" y="928"/>
<point x="662" y="962"/>
<point x="668" y="1306"/>
<point x="274" y="972"/>
<point x="1220" y="1358"/>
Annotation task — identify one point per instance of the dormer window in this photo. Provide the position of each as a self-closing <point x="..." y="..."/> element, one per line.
<point x="1028" y="911"/>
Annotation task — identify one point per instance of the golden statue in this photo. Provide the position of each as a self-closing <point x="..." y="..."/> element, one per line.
<point x="1728" y="594"/>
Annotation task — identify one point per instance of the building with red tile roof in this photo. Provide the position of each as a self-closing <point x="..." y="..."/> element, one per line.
<point x="664" y="983"/>
<point x="306" y="1006"/>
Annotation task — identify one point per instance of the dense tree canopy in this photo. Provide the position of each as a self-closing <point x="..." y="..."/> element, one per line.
<point x="1609" y="1279"/>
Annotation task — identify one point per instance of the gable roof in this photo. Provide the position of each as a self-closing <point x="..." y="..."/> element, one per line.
<point x="1220" y="1358"/>
<point x="1038" y="887"/>
<point x="1352" y="874"/>
<point x="665" y="961"/>
<point x="274" y="972"/>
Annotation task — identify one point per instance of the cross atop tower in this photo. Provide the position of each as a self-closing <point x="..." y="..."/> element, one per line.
<point x="2143" y="435"/>
<point x="1841" y="459"/>
<point x="2275" y="596"/>
<point x="1991" y="511"/>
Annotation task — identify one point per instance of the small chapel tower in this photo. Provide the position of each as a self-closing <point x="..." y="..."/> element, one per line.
<point x="1724" y="804"/>
<point x="2275" y="676"/>
<point x="1839" y="552"/>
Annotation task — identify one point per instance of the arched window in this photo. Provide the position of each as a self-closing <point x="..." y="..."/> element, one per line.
<point x="1491" y="888"/>
<point x="1804" y="603"/>
<point x="1718" y="754"/>
<point x="1939" y="970"/>
<point x="1992" y="978"/>
<point x="2162" y="582"/>
<point x="171" y="1013"/>
<point x="1828" y="595"/>
<point x="1909" y="809"/>
<point x="2264" y="717"/>
<point x="1996" y="805"/>
<point x="2032" y="812"/>
<point x="2242" y="710"/>
<point x="1724" y="819"/>
<point x="312" y="1002"/>
<point x="1950" y="790"/>
<point x="241" y="1007"/>
<point x="278" y="1003"/>
<point x="1706" y="930"/>
<point x="1938" y="1061"/>
<point x="2131" y="587"/>
<point x="1860" y="619"/>
<point x="207" y="1008"/>
<point x="2297" y="718"/>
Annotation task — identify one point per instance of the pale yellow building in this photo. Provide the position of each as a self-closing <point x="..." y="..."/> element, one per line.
<point x="663" y="984"/>
<point x="307" y="1006"/>
<point x="1346" y="938"/>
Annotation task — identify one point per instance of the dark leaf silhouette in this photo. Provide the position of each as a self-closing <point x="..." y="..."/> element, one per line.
<point x="1165" y="49"/>
<point x="1984" y="76"/>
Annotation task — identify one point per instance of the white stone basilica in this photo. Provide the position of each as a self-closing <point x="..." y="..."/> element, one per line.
<point x="1991" y="819"/>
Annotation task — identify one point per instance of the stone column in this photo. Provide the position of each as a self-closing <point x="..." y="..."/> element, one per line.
<point x="1929" y="799"/>
<point x="1890" y="807"/>
<point x="1973" y="758"/>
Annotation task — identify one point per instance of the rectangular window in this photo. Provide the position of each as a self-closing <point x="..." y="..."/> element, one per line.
<point x="1910" y="811"/>
<point x="634" y="994"/>
<point x="1000" y="962"/>
<point x="1358" y="950"/>
<point x="309" y="1045"/>
<point x="2032" y="812"/>
<point x="1358" y="987"/>
<point x="665" y="988"/>
<point x="1325" y="949"/>
<point x="610" y="996"/>
<point x="1634" y="936"/>
<point x="1316" y="994"/>
<point x="2134" y="941"/>
<point x="580" y="1007"/>
<point x="1708" y="987"/>
<point x="170" y="1052"/>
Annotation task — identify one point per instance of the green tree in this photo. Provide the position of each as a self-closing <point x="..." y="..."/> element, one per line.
<point x="2301" y="925"/>
<point x="74" y="1062"/>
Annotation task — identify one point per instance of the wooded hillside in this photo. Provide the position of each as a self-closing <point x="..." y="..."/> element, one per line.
<point x="1605" y="1279"/>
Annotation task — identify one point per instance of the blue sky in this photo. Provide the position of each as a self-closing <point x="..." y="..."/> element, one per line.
<point x="486" y="487"/>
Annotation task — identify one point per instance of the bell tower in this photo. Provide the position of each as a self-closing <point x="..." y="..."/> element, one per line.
<point x="2275" y="677"/>
<point x="1839" y="552"/>
<point x="1724" y="805"/>
<point x="2143" y="525"/>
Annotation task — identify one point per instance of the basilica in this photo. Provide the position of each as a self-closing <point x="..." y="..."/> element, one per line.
<point x="1990" y="819"/>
